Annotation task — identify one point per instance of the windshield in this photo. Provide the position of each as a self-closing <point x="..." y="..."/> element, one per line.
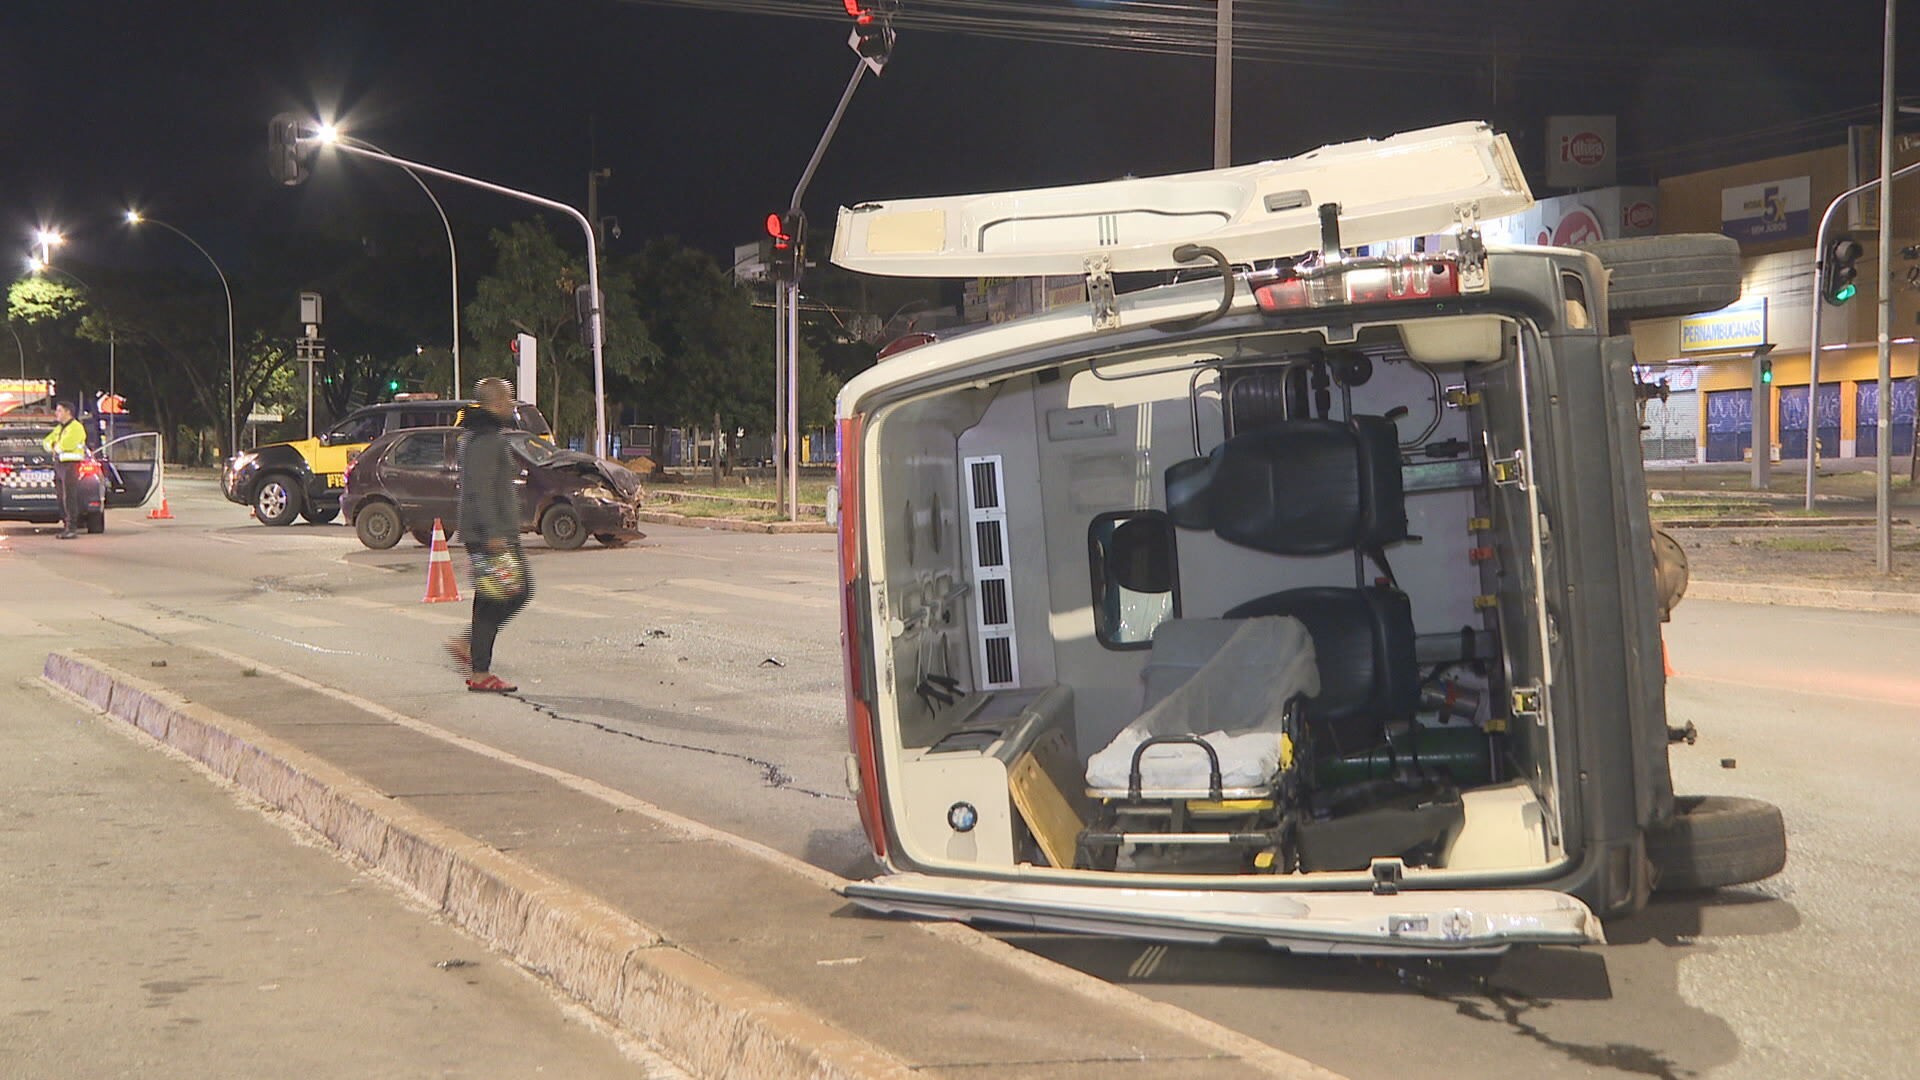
<point x="534" y="450"/>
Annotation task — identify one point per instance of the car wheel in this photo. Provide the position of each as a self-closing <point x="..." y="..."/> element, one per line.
<point x="561" y="528"/>
<point x="97" y="521"/>
<point x="1717" y="840"/>
<point x="378" y="525"/>
<point x="320" y="516"/>
<point x="276" y="501"/>
<point x="610" y="539"/>
<point x="423" y="537"/>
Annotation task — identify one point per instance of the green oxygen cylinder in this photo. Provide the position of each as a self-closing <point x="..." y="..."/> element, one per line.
<point x="1462" y="752"/>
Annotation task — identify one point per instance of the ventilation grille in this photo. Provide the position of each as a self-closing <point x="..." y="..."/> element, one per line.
<point x="990" y="543"/>
<point x="998" y="656"/>
<point x="999" y="661"/>
<point x="986" y="482"/>
<point x="993" y="602"/>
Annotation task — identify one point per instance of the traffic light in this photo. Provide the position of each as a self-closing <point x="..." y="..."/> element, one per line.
<point x="786" y="245"/>
<point x="1838" y="277"/>
<point x="286" y="158"/>
<point x="1766" y="372"/>
<point x="393" y="386"/>
<point x="872" y="37"/>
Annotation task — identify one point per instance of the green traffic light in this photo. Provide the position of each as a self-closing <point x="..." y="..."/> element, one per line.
<point x="1845" y="293"/>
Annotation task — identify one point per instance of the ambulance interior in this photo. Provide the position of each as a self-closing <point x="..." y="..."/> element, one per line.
<point x="1263" y="606"/>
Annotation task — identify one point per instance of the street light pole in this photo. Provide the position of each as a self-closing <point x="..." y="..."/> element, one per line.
<point x="1223" y="87"/>
<point x="134" y="217"/>
<point x="1883" y="490"/>
<point x="46" y="267"/>
<point x="453" y="256"/>
<point x="330" y="137"/>
<point x="23" y="353"/>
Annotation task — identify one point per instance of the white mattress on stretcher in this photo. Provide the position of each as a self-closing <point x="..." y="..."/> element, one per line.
<point x="1243" y="673"/>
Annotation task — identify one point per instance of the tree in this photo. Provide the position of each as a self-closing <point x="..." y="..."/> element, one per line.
<point x="716" y="346"/>
<point x="531" y="290"/>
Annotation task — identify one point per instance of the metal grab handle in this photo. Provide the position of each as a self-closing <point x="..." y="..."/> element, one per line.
<point x="1213" y="763"/>
<point x="1194" y="253"/>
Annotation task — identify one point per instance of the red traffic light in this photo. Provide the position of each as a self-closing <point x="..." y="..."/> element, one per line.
<point x="776" y="228"/>
<point x="514" y="346"/>
<point x="854" y="10"/>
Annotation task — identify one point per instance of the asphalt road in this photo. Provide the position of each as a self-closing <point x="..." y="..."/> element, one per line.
<point x="700" y="670"/>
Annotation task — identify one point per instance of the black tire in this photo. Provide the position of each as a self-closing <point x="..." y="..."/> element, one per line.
<point x="423" y="537"/>
<point x="97" y="522"/>
<point x="561" y="528"/>
<point x="277" y="500"/>
<point x="610" y="539"/>
<point x="378" y="525"/>
<point x="319" y="515"/>
<point x="1653" y="277"/>
<point x="1717" y="840"/>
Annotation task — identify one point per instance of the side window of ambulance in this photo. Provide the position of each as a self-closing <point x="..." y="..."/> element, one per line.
<point x="1135" y="576"/>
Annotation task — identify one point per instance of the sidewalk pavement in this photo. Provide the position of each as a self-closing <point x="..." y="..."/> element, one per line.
<point x="730" y="958"/>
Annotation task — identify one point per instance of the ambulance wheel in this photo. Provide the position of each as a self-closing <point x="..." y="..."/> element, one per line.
<point x="97" y="521"/>
<point x="1651" y="277"/>
<point x="1717" y="840"/>
<point x="378" y="525"/>
<point x="320" y="516"/>
<point x="276" y="501"/>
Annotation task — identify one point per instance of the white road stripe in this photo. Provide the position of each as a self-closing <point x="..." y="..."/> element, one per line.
<point x="12" y="625"/>
<point x="403" y="610"/>
<point x="749" y="592"/>
<point x="297" y="620"/>
<point x="538" y="607"/>
<point x="646" y="600"/>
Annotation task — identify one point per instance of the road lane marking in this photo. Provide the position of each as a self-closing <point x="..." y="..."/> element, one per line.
<point x="300" y="622"/>
<point x="749" y="592"/>
<point x="403" y="610"/>
<point x="538" y="607"/>
<point x="645" y="599"/>
<point x="12" y="625"/>
<point x="1820" y="685"/>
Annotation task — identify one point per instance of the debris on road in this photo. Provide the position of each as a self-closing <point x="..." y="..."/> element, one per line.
<point x="773" y="661"/>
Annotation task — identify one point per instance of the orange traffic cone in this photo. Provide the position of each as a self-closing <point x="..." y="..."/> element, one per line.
<point x="440" y="586"/>
<point x="163" y="512"/>
<point x="1665" y="659"/>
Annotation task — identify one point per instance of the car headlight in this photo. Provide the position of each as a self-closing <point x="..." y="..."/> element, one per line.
<point x="241" y="461"/>
<point x="599" y="494"/>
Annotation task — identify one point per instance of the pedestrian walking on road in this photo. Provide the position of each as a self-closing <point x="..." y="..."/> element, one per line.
<point x="68" y="443"/>
<point x="490" y="526"/>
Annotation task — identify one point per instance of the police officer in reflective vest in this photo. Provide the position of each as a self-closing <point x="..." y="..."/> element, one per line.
<point x="68" y="442"/>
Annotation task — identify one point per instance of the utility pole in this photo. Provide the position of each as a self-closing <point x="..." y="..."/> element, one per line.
<point x="1883" y="450"/>
<point x="1223" y="88"/>
<point x="594" y="176"/>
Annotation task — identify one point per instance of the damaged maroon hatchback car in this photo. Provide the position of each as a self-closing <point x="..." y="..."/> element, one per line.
<point x="404" y="481"/>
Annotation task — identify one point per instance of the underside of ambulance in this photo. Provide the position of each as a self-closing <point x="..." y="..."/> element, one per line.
<point x="1249" y="616"/>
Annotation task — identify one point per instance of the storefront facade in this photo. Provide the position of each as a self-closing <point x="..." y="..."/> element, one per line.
<point x="1773" y="208"/>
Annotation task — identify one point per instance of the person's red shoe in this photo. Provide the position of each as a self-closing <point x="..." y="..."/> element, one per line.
<point x="490" y="684"/>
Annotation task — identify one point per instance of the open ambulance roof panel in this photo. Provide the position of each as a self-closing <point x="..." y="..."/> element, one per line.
<point x="1413" y="184"/>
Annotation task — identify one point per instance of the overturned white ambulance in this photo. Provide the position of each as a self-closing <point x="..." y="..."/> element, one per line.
<point x="1310" y="601"/>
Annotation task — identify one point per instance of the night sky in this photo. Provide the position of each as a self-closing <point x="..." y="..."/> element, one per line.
<point x="707" y="118"/>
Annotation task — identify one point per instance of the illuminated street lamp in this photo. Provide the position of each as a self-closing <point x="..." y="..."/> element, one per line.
<point x="135" y="217"/>
<point x="48" y="239"/>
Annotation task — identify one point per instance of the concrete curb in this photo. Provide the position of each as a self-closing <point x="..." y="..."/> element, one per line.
<point x="659" y="517"/>
<point x="1804" y="596"/>
<point x="706" y="1020"/>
